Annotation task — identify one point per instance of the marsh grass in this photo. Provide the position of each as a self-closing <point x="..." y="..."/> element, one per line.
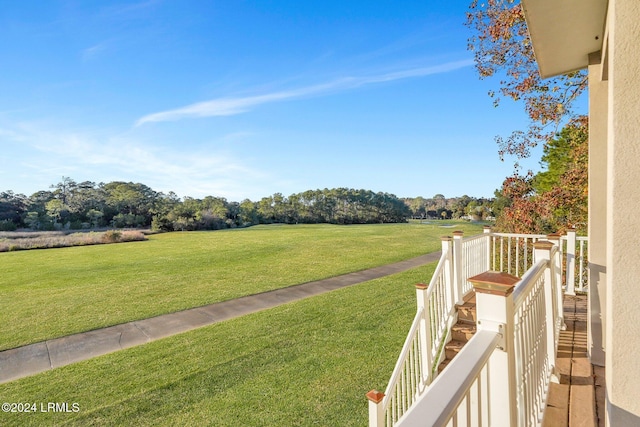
<point x="19" y="241"/>
<point x="52" y="293"/>
<point x="306" y="363"/>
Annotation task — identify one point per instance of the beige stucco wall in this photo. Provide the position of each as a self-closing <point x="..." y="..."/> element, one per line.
<point x="597" y="232"/>
<point x="623" y="220"/>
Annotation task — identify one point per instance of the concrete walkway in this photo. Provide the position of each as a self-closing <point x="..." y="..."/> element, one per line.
<point x="39" y="357"/>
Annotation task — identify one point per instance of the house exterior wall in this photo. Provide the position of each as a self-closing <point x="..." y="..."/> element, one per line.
<point x="622" y="335"/>
<point x="597" y="256"/>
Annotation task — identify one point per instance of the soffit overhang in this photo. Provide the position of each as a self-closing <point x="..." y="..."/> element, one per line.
<point x="564" y="32"/>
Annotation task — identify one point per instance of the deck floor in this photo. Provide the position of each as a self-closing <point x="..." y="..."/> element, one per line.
<point x="578" y="400"/>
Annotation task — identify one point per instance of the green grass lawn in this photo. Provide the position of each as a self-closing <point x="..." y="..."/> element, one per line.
<point x="55" y="292"/>
<point x="307" y="363"/>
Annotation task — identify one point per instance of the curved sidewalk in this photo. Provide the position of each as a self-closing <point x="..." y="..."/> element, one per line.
<point x="39" y="357"/>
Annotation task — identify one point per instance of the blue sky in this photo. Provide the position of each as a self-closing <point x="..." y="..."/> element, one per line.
<point x="243" y="99"/>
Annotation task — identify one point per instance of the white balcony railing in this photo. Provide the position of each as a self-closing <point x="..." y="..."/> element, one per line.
<point x="508" y="365"/>
<point x="535" y="334"/>
<point x="422" y="350"/>
<point x="501" y="377"/>
<point x="458" y="397"/>
<point x="476" y="258"/>
<point x="513" y="254"/>
<point x="574" y="271"/>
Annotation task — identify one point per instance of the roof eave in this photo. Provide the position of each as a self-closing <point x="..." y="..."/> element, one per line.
<point x="564" y="32"/>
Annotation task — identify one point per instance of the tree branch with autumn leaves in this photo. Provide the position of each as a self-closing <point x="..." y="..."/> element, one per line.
<point x="554" y="199"/>
<point x="502" y="48"/>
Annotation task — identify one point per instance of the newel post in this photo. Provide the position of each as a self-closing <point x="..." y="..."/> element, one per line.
<point x="458" y="280"/>
<point x="424" y="331"/>
<point x="571" y="262"/>
<point x="542" y="252"/>
<point x="495" y="312"/>
<point x="376" y="411"/>
<point x="487" y="232"/>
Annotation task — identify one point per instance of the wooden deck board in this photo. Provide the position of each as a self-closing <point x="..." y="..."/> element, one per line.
<point x="578" y="400"/>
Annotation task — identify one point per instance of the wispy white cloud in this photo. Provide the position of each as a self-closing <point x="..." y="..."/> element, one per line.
<point x="94" y="50"/>
<point x="49" y="154"/>
<point x="238" y="105"/>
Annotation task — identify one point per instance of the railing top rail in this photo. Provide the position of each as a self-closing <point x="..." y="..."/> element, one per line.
<point x="406" y="347"/>
<point x="528" y="280"/>
<point x="450" y="387"/>
<point x="578" y="238"/>
<point x="436" y="273"/>
<point x="520" y="235"/>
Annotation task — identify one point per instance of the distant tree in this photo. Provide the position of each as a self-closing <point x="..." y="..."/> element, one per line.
<point x="444" y="213"/>
<point x="247" y="213"/>
<point x="57" y="210"/>
<point x="63" y="189"/>
<point x="418" y="207"/>
<point x="500" y="201"/>
<point x="266" y="210"/>
<point x="233" y="214"/>
<point x="459" y="207"/>
<point x="308" y="205"/>
<point x="212" y="213"/>
<point x="32" y="220"/>
<point x="295" y="209"/>
<point x="130" y="198"/>
<point x="84" y="198"/>
<point x="440" y="201"/>
<point x="95" y="217"/>
<point x="279" y="207"/>
<point x="13" y="208"/>
<point x="163" y="205"/>
<point x="38" y="200"/>
<point x="128" y="220"/>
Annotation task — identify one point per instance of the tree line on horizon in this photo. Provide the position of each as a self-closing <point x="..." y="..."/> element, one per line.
<point x="87" y="205"/>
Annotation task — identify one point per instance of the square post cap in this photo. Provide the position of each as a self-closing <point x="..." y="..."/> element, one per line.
<point x="375" y="396"/>
<point x="494" y="283"/>
<point x="543" y="244"/>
